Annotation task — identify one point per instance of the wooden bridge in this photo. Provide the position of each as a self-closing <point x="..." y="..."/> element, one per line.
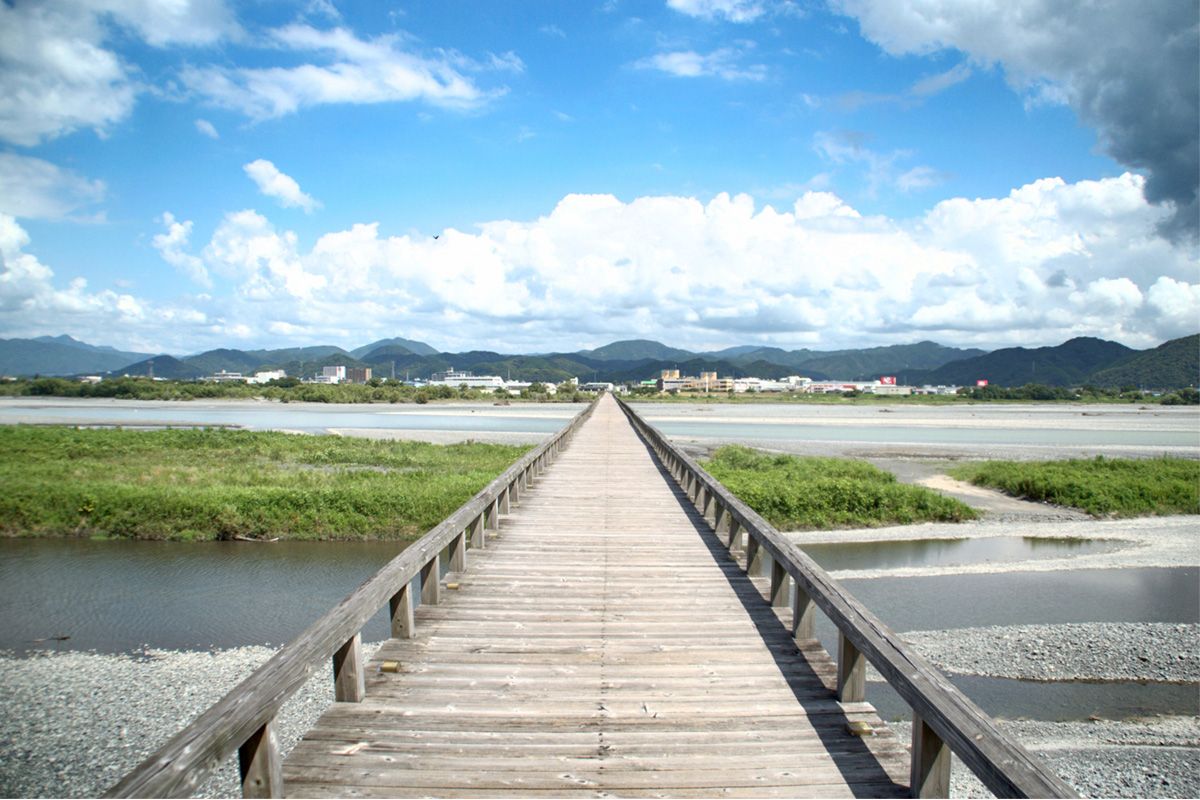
<point x="607" y="633"/>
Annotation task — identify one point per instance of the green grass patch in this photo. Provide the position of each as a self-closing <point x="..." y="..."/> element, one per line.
<point x="795" y="493"/>
<point x="217" y="484"/>
<point x="1120" y="487"/>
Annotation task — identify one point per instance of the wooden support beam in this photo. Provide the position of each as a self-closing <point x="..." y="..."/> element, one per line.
<point x="852" y="672"/>
<point x="735" y="536"/>
<point x="260" y="764"/>
<point x="930" y="776"/>
<point x="504" y="508"/>
<point x="349" y="685"/>
<point x="401" y="608"/>
<point x="493" y="516"/>
<point x="720" y="518"/>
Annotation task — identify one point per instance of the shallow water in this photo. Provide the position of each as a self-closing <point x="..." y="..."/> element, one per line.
<point x="1057" y="701"/>
<point x="118" y="596"/>
<point x="949" y="552"/>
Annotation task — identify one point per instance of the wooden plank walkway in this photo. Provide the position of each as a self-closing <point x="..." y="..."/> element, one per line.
<point x="604" y="644"/>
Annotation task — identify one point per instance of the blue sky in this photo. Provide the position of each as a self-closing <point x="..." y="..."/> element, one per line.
<point x="179" y="176"/>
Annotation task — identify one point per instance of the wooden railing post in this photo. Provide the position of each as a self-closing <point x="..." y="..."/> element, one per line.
<point x="779" y="585"/>
<point x="401" y="608"/>
<point x="458" y="553"/>
<point x="493" y="516"/>
<point x="720" y="518"/>
<point x="804" y="614"/>
<point x="478" y="537"/>
<point x="930" y="773"/>
<point x="349" y="684"/>
<point x="753" y="556"/>
<point x="260" y="764"/>
<point x="431" y="581"/>
<point x="504" y="500"/>
<point x="735" y="536"/>
<point x="852" y="671"/>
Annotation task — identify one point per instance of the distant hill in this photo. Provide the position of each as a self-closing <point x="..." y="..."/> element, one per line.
<point x="1068" y="364"/>
<point x="1170" y="366"/>
<point x="53" y="356"/>
<point x="417" y="348"/>
<point x="633" y="349"/>
<point x="871" y="363"/>
<point x="224" y="360"/>
<point x="1173" y="365"/>
<point x="161" y="366"/>
<point x="311" y="353"/>
<point x="71" y="341"/>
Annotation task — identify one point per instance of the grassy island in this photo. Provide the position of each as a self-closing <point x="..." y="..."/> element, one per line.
<point x="1119" y="487"/>
<point x="219" y="484"/>
<point x="809" y="493"/>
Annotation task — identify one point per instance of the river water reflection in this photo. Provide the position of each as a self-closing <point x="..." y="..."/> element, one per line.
<point x="118" y="596"/>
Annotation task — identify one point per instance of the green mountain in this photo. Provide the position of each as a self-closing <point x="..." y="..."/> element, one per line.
<point x="161" y="366"/>
<point x="1068" y="364"/>
<point x="419" y="348"/>
<point x="870" y="363"/>
<point x="55" y="357"/>
<point x="633" y="349"/>
<point x="224" y="360"/>
<point x="296" y="353"/>
<point x="71" y="341"/>
<point x="1170" y="366"/>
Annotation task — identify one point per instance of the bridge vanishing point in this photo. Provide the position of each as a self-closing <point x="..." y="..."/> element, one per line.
<point x="599" y="627"/>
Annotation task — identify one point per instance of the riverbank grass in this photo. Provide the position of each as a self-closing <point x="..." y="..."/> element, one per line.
<point x="808" y="493"/>
<point x="218" y="484"/>
<point x="1118" y="487"/>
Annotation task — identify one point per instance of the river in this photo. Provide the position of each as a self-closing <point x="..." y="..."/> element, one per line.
<point x="121" y="596"/>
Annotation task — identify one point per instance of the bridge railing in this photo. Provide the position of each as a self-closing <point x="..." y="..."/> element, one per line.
<point x="944" y="719"/>
<point x="243" y="720"/>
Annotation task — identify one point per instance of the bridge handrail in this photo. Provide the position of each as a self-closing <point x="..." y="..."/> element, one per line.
<point x="242" y="721"/>
<point x="942" y="715"/>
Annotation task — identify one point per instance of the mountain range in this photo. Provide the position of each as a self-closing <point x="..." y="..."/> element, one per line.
<point x="1083" y="360"/>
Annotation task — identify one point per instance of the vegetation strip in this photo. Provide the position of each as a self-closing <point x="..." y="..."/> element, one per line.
<point x="1119" y="487"/>
<point x="218" y="484"/>
<point x="808" y="493"/>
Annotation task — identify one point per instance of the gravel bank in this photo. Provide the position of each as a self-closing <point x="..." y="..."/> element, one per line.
<point x="1126" y="651"/>
<point x="86" y="718"/>
<point x="1148" y="758"/>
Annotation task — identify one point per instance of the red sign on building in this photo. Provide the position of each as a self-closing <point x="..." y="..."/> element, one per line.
<point x="981" y="383"/>
<point x="890" y="380"/>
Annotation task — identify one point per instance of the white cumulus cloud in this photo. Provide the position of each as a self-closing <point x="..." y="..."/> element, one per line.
<point x="345" y="69"/>
<point x="274" y="183"/>
<point x="1047" y="262"/>
<point x="173" y="246"/>
<point x="58" y="72"/>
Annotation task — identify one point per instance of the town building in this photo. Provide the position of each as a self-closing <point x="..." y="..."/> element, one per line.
<point x="456" y="379"/>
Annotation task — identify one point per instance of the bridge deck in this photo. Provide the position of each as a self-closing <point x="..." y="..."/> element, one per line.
<point x="604" y="644"/>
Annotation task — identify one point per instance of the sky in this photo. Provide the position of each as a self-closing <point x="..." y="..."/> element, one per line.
<point x="182" y="175"/>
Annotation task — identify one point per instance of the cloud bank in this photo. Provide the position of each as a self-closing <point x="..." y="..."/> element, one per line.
<point x="1049" y="261"/>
